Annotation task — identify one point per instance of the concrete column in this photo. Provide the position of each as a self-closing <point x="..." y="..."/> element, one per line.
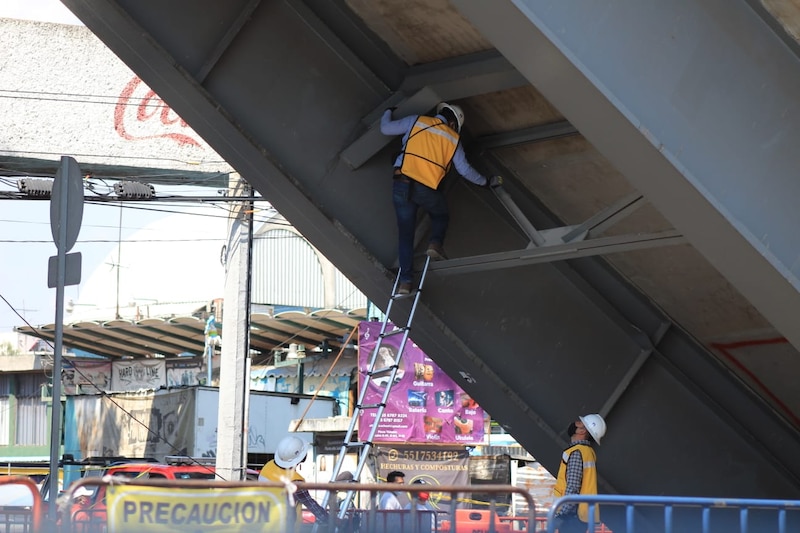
<point x="234" y="383"/>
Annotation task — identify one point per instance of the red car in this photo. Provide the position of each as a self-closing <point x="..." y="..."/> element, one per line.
<point x="88" y="511"/>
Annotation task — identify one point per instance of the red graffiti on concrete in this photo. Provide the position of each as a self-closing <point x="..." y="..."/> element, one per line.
<point x="149" y="107"/>
<point x="727" y="349"/>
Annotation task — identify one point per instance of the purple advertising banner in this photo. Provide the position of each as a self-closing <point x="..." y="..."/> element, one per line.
<point x="424" y="404"/>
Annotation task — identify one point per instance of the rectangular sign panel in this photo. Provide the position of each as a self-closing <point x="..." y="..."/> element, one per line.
<point x="154" y="509"/>
<point x="431" y="465"/>
<point x="133" y="375"/>
<point x="424" y="404"/>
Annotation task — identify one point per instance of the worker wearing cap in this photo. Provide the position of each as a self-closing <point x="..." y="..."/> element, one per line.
<point x="577" y="473"/>
<point x="430" y="146"/>
<point x="290" y="452"/>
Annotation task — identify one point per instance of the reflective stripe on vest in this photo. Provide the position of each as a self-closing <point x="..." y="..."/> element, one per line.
<point x="586" y="464"/>
<point x="588" y="480"/>
<point x="429" y="150"/>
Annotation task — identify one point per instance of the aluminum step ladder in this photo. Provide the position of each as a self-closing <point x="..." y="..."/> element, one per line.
<point x="365" y="442"/>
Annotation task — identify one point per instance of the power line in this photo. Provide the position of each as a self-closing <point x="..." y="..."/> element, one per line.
<point x="108" y="156"/>
<point x="43" y="96"/>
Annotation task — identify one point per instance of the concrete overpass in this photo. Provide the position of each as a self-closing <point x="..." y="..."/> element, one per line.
<point x="650" y="147"/>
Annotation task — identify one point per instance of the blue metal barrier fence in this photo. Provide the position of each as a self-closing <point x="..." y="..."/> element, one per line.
<point x="673" y="514"/>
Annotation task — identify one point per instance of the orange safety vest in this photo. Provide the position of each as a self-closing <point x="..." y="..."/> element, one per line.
<point x="429" y="150"/>
<point x="588" y="481"/>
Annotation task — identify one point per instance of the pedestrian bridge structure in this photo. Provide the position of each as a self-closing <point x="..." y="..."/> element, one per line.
<point x="649" y="269"/>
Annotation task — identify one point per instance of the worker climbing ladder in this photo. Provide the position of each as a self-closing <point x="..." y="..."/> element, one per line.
<point x="365" y="442"/>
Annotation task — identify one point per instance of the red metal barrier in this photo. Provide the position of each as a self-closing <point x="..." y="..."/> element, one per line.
<point x="26" y="517"/>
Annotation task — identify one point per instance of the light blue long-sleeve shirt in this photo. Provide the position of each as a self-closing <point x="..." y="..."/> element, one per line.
<point x="403" y="127"/>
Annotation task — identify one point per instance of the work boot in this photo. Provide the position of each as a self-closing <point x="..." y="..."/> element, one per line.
<point x="436" y="252"/>
<point x="404" y="287"/>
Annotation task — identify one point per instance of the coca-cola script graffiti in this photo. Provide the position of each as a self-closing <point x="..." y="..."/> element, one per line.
<point x="135" y="116"/>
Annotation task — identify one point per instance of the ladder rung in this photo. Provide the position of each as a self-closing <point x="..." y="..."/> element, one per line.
<point x="370" y="406"/>
<point x="407" y="295"/>
<point x="397" y="331"/>
<point x="355" y="444"/>
<point x="383" y="370"/>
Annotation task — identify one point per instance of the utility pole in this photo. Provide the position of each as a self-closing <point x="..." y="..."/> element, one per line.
<point x="234" y="379"/>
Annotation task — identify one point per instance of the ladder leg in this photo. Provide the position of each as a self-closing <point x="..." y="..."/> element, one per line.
<point x="364" y="444"/>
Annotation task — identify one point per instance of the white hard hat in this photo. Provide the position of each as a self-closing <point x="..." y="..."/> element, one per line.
<point x="595" y="425"/>
<point x="290" y="452"/>
<point x="456" y="110"/>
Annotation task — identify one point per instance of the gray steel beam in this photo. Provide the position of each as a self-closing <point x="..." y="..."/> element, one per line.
<point x="528" y="135"/>
<point x="760" y="7"/>
<point x="426" y="85"/>
<point x="464" y="76"/>
<point x="606" y="218"/>
<point x="373" y="141"/>
<point x="695" y="102"/>
<point x="335" y="40"/>
<point x="558" y="252"/>
<point x="226" y="40"/>
<point x="372" y="52"/>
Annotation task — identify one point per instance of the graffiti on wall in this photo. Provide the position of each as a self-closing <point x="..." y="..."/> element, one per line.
<point x="135" y="425"/>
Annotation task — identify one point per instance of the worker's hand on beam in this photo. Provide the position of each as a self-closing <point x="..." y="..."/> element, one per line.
<point x="494" y="181"/>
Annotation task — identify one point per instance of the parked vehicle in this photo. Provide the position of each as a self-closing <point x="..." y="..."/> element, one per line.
<point x="88" y="510"/>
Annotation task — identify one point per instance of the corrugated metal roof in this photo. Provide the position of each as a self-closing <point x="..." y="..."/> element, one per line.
<point x="177" y="335"/>
<point x="288" y="270"/>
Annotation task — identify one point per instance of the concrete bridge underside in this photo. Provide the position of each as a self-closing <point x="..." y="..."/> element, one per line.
<point x="650" y="272"/>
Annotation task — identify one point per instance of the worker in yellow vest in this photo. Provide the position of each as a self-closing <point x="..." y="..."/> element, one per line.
<point x="430" y="146"/>
<point x="578" y="473"/>
<point x="290" y="452"/>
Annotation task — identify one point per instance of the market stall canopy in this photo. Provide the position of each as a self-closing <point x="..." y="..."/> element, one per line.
<point x="184" y="335"/>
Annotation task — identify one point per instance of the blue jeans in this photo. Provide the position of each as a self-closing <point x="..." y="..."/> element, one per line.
<point x="407" y="197"/>
<point x="570" y="524"/>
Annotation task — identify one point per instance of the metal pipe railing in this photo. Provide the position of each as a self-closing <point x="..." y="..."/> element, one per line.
<point x="675" y="514"/>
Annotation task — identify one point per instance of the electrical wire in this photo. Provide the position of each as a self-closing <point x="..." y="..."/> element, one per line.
<point x="110" y="156"/>
<point x="272" y="218"/>
<point x="134" y="100"/>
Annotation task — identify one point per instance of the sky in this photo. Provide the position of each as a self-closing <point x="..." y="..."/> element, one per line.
<point x="26" y="242"/>
<point x="44" y="10"/>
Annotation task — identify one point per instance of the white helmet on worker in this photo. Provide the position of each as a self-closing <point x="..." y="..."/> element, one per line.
<point x="457" y="112"/>
<point x="595" y="425"/>
<point x="290" y="452"/>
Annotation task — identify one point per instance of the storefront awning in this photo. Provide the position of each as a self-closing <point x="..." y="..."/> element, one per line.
<point x="153" y="337"/>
